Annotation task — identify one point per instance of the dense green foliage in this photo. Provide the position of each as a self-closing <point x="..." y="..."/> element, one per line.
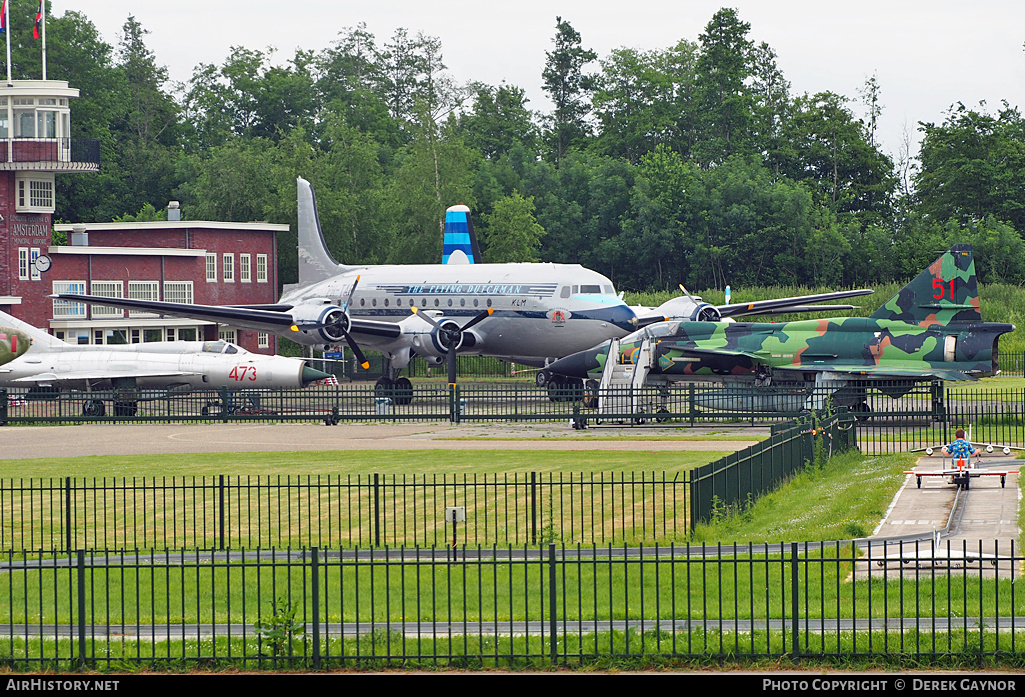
<point x="694" y="163"/>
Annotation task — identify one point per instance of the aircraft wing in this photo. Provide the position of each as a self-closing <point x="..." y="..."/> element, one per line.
<point x="800" y="303"/>
<point x="254" y="318"/>
<point x="885" y="371"/>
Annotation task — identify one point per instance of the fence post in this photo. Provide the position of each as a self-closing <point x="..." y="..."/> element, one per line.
<point x="225" y="401"/>
<point x="3" y="406"/>
<point x="794" y="598"/>
<point x="68" y="540"/>
<point x="377" y="510"/>
<point x="220" y="511"/>
<point x="315" y="592"/>
<point x="80" y="574"/>
<point x="533" y="508"/>
<point x="690" y="404"/>
<point x="552" y="595"/>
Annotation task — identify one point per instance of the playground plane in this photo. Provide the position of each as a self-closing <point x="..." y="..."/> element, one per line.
<point x="962" y="470"/>
<point x="54" y="365"/>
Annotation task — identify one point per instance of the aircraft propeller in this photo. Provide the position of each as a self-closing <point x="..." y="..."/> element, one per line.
<point x="340" y="322"/>
<point x="450" y="335"/>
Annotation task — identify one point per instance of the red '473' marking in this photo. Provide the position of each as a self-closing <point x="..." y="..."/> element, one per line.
<point x="243" y="372"/>
<point x="940" y="286"/>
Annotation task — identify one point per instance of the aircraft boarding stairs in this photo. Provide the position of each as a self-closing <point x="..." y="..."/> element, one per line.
<point x="621" y="390"/>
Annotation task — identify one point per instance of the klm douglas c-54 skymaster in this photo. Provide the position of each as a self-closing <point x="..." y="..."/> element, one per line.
<point x="931" y="330"/>
<point x="529" y="313"/>
<point x="53" y="365"/>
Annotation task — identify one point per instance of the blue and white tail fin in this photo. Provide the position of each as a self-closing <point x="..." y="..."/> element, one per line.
<point x="460" y="245"/>
<point x="315" y="261"/>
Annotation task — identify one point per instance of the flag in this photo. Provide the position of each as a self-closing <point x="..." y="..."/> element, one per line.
<point x="39" y="19"/>
<point x="3" y="16"/>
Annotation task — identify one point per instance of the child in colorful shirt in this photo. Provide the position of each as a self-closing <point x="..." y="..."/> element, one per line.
<point x="960" y="449"/>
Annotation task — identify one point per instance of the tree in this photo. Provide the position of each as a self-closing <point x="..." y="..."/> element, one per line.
<point x="567" y="86"/>
<point x="498" y="120"/>
<point x="639" y="98"/>
<point x="723" y="99"/>
<point x="511" y="234"/>
<point x="972" y="166"/>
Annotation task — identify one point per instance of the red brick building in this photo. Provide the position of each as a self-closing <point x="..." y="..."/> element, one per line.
<point x="188" y="261"/>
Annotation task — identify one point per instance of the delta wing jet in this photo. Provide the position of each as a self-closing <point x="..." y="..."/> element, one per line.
<point x="931" y="330"/>
<point x="53" y="365"/>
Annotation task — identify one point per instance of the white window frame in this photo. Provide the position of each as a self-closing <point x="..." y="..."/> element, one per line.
<point x="178" y="292"/>
<point x="245" y="268"/>
<point x="211" y="268"/>
<point x="33" y="271"/>
<point x="67" y="309"/>
<point x="143" y="290"/>
<point x="228" y="334"/>
<point x="34" y="192"/>
<point x="24" y="265"/>
<point x="263" y="340"/>
<point x="261" y="268"/>
<point x="107" y="289"/>
<point x="228" y="267"/>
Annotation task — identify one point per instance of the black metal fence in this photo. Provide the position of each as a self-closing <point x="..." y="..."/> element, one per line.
<point x="736" y="481"/>
<point x="891" y="418"/>
<point x="491" y="606"/>
<point x="220" y="512"/>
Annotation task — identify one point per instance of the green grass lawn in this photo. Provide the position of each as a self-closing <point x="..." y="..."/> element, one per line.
<point x="358" y="462"/>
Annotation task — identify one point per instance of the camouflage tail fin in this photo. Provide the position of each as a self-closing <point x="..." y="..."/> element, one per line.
<point x="945" y="292"/>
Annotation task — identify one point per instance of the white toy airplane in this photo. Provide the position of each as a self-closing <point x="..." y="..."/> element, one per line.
<point x="961" y="470"/>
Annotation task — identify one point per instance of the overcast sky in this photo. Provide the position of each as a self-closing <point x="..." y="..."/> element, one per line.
<point x="927" y="55"/>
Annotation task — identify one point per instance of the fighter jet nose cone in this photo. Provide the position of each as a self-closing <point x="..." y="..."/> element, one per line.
<point x="312" y="375"/>
<point x="576" y="365"/>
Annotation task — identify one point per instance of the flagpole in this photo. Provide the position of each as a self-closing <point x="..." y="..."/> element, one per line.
<point x="7" y="33"/>
<point x="42" y="11"/>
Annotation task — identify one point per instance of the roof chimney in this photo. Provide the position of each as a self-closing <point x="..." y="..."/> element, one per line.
<point x="174" y="211"/>
<point x="79" y="237"/>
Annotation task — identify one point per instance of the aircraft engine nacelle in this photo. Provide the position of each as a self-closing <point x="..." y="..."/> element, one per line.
<point x="684" y="308"/>
<point x="432" y="343"/>
<point x="252" y="371"/>
<point x="319" y="323"/>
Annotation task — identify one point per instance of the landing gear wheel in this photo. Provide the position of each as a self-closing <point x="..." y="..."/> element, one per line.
<point x="384" y="387"/>
<point x="93" y="408"/>
<point x="126" y="408"/>
<point x="403" y="390"/>
<point x="662" y="415"/>
<point x="1003" y="480"/>
<point x="919" y="482"/>
<point x="862" y="411"/>
<point x="542" y="378"/>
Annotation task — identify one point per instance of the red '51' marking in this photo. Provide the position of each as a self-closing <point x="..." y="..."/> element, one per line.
<point x="940" y="286"/>
<point x="238" y="373"/>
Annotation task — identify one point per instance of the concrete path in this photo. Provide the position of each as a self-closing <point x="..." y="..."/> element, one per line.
<point x="983" y="520"/>
<point x="142" y="439"/>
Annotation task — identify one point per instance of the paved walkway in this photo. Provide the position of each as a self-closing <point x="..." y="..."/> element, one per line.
<point x="146" y="439"/>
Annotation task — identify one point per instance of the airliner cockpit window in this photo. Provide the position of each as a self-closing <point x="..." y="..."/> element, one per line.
<point x="565" y="292"/>
<point x="592" y="290"/>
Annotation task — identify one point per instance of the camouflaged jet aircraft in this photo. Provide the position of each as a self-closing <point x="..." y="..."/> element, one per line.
<point x="931" y="330"/>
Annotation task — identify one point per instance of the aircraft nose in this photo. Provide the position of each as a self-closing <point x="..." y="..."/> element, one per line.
<point x="577" y="365"/>
<point x="312" y="375"/>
